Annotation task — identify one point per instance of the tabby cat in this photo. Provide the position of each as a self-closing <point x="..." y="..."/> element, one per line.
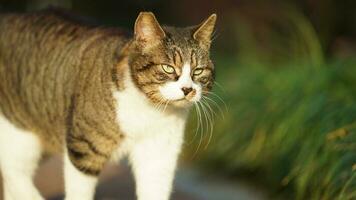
<point x="96" y="94"/>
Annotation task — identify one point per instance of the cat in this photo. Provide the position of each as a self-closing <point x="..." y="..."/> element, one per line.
<point x="95" y="95"/>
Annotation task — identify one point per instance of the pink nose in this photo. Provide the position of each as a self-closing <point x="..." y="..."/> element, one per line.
<point x="186" y="90"/>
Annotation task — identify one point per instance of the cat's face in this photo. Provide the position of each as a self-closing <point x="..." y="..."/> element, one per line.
<point x="172" y="65"/>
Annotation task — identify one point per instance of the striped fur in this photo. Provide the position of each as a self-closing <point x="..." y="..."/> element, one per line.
<point x="54" y="75"/>
<point x="59" y="80"/>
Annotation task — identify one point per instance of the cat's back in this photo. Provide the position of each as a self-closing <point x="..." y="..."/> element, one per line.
<point x="48" y="27"/>
<point x="38" y="54"/>
<point x="43" y="56"/>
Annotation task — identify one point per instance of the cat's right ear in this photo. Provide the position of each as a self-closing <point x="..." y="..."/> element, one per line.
<point x="204" y="31"/>
<point x="147" y="28"/>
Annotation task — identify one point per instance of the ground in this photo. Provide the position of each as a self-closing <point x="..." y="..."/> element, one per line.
<point x="116" y="183"/>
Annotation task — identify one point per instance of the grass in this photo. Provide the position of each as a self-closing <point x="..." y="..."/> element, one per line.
<point x="291" y="125"/>
<point x="295" y="126"/>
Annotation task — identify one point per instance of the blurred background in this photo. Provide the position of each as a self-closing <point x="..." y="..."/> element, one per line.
<point x="284" y="105"/>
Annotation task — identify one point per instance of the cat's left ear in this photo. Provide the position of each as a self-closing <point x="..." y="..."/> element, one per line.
<point x="204" y="31"/>
<point x="147" y="28"/>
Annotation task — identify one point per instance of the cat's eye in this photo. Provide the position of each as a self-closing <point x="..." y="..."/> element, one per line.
<point x="168" y="69"/>
<point x="198" y="71"/>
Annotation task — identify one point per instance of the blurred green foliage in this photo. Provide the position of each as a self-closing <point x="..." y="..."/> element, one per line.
<point x="290" y="116"/>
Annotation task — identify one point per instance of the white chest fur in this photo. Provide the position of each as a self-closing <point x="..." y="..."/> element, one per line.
<point x="139" y="119"/>
<point x="152" y="142"/>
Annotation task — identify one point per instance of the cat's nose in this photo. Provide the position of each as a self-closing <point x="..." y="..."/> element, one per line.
<point x="186" y="90"/>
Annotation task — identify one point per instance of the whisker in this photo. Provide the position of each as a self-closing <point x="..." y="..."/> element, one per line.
<point x="160" y="103"/>
<point x="209" y="107"/>
<point x="200" y="120"/>
<point x="156" y="105"/>
<point x="220" y="86"/>
<point x="216" y="105"/>
<point x="165" y="106"/>
<point x="210" y="123"/>
<point x="197" y="125"/>
<point x="205" y="117"/>
<point x="220" y="99"/>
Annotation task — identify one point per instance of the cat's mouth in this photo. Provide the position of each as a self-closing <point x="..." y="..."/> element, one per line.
<point x="185" y="101"/>
<point x="188" y="98"/>
<point x="181" y="103"/>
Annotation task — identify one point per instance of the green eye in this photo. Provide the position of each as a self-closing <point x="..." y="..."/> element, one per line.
<point x="198" y="71"/>
<point x="168" y="69"/>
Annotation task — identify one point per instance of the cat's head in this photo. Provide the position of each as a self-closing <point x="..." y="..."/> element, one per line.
<point x="172" y="65"/>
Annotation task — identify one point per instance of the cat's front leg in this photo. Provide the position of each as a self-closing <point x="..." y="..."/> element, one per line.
<point x="91" y="138"/>
<point x="78" y="184"/>
<point x="154" y="161"/>
<point x="85" y="158"/>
